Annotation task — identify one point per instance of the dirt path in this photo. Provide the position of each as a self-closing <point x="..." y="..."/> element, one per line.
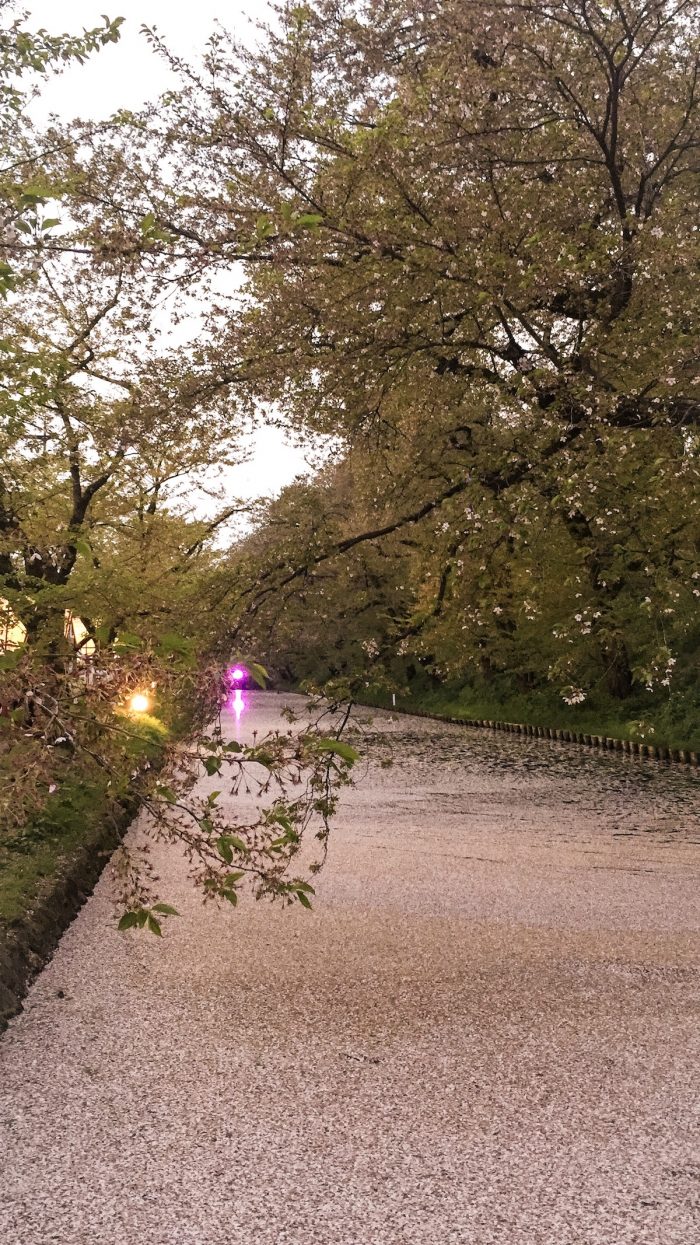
<point x="486" y="1032"/>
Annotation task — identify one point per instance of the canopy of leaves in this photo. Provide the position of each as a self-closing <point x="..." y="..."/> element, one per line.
<point x="470" y="238"/>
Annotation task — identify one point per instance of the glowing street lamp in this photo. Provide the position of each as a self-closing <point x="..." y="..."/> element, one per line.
<point x="139" y="703"/>
<point x="238" y="674"/>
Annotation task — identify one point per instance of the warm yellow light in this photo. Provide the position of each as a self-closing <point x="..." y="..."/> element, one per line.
<point x="139" y="703"/>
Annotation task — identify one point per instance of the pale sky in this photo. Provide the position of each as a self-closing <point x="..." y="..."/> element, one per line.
<point x="125" y="75"/>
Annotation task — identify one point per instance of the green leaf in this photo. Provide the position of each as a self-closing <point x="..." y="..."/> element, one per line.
<point x="213" y="797"/>
<point x="261" y="757"/>
<point x="338" y="748"/>
<point x="166" y="908"/>
<point x="263" y="226"/>
<point x="309" y="220"/>
<point x="227" y="842"/>
<point x="127" y="641"/>
<point x="212" y="765"/>
<point x="174" y="643"/>
<point x="128" y="921"/>
<point x="277" y="844"/>
<point x="154" y="926"/>
<point x="167" y="793"/>
<point x="223" y="847"/>
<point x="50" y="223"/>
<point x="304" y="899"/>
<point x="304" y="886"/>
<point x="258" y="673"/>
<point x="147" y="223"/>
<point x="232" y="896"/>
<point x="277" y="817"/>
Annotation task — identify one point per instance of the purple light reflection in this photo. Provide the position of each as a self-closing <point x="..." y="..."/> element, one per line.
<point x="237" y="702"/>
<point x="238" y="674"/>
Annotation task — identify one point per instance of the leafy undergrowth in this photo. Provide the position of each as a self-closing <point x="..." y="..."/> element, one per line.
<point x="71" y="817"/>
<point x="671" y="721"/>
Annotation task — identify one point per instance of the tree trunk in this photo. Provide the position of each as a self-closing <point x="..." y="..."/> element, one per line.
<point x="618" y="675"/>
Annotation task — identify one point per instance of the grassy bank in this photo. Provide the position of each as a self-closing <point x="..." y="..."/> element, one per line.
<point x="667" y="721"/>
<point x="31" y="855"/>
<point x="49" y="865"/>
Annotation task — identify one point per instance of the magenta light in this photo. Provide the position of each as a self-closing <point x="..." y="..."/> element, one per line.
<point x="237" y="674"/>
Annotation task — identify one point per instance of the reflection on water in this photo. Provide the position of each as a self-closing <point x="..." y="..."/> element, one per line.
<point x="236" y="702"/>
